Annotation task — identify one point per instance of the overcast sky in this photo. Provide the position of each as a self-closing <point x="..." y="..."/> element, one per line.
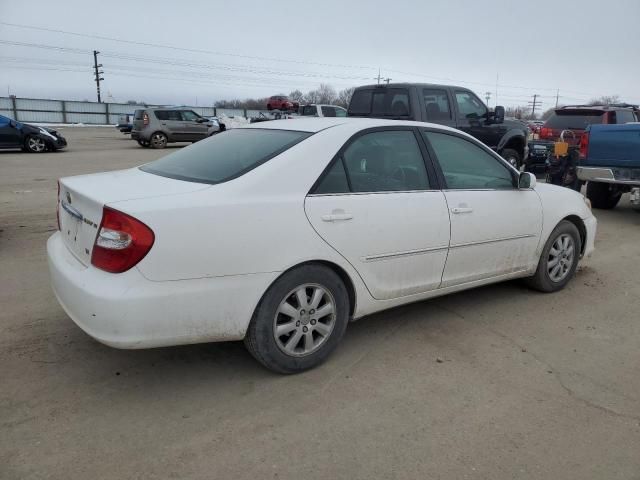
<point x="257" y="48"/>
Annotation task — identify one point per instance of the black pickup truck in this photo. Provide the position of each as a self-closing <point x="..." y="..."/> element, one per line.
<point x="456" y="107"/>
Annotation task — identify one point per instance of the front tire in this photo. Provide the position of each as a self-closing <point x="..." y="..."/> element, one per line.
<point x="300" y="320"/>
<point x="559" y="259"/>
<point x="512" y="157"/>
<point x="603" y="195"/>
<point x="34" y="144"/>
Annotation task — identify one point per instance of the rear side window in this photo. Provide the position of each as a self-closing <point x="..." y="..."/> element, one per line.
<point x="625" y="116"/>
<point x="330" y="111"/>
<point x="381" y="102"/>
<point x="574" y="119"/>
<point x="226" y="156"/>
<point x="309" y="110"/>
<point x="437" y="104"/>
<point x="137" y="115"/>
<point x="168" y="115"/>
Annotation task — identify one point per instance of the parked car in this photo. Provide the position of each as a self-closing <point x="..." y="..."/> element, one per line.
<point x="610" y="163"/>
<point x="314" y="110"/>
<point x="573" y="121"/>
<point x="125" y="123"/>
<point x="29" y="138"/>
<point x="445" y="105"/>
<point x="216" y="121"/>
<point x="282" y="232"/>
<point x="156" y="127"/>
<point x="281" y="102"/>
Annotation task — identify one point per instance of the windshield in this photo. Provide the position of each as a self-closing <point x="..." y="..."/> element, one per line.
<point x="577" y="120"/>
<point x="225" y="156"/>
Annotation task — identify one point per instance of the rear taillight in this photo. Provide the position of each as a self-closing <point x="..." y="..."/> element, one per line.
<point x="145" y="119"/>
<point x="546" y="132"/>
<point x="58" y="206"/>
<point x="121" y="243"/>
<point x="584" y="145"/>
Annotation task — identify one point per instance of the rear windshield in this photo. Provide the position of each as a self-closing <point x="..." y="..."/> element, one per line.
<point x="578" y="119"/>
<point x="138" y="114"/>
<point x="225" y="156"/>
<point x="380" y="102"/>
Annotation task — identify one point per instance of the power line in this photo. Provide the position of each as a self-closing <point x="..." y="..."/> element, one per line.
<point x="182" y="49"/>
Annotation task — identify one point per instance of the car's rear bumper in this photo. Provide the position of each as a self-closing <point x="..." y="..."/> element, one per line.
<point x="129" y="311"/>
<point x="619" y="175"/>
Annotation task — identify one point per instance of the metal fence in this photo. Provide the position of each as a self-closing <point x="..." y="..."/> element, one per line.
<point x="71" y="111"/>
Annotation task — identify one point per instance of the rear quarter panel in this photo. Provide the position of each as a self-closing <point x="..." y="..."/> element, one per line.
<point x="613" y="146"/>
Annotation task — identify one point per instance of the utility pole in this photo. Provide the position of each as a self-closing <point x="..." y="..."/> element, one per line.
<point x="557" y="97"/>
<point x="387" y="80"/>
<point x="487" y="96"/>
<point x="378" y="78"/>
<point x="97" y="73"/>
<point x="534" y="104"/>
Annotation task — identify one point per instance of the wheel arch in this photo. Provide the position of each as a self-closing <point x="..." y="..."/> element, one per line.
<point x="337" y="269"/>
<point x="513" y="140"/>
<point x="582" y="229"/>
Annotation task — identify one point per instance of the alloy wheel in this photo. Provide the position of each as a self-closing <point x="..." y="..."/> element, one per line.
<point x="158" y="140"/>
<point x="304" y="320"/>
<point x="561" y="257"/>
<point x="36" y="144"/>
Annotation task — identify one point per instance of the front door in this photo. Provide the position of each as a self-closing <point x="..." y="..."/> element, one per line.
<point x="495" y="227"/>
<point x="9" y="134"/>
<point x="194" y="128"/>
<point x="375" y="205"/>
<point x="472" y="118"/>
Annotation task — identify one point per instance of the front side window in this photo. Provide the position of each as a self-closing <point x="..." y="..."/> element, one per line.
<point x="340" y="112"/>
<point x="467" y="166"/>
<point x="625" y="116"/>
<point x="437" y="104"/>
<point x="469" y="106"/>
<point x="309" y="111"/>
<point x="189" y="116"/>
<point x="385" y="161"/>
<point x="226" y="156"/>
<point x="328" y="111"/>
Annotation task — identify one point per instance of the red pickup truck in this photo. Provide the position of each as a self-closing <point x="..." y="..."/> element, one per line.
<point x="281" y="102"/>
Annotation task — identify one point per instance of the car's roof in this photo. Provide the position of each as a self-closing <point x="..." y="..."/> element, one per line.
<point x="410" y="84"/>
<point x="316" y="124"/>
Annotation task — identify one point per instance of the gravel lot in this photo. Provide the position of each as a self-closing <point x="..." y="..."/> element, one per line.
<point x="495" y="383"/>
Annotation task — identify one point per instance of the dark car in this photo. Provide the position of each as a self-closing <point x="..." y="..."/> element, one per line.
<point x="281" y="102"/>
<point x="29" y="138"/>
<point x="449" y="105"/>
<point x="573" y="121"/>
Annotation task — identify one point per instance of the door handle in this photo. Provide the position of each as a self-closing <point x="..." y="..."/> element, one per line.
<point x="336" y="217"/>
<point x="462" y="210"/>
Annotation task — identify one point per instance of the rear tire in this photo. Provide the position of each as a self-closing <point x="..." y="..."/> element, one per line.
<point x="158" y="140"/>
<point x="300" y="320"/>
<point x="512" y="157"/>
<point x="603" y="195"/>
<point x="559" y="259"/>
<point x="143" y="143"/>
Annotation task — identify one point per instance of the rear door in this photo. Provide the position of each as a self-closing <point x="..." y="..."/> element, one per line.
<point x="437" y="105"/>
<point x="172" y="124"/>
<point x="378" y="207"/>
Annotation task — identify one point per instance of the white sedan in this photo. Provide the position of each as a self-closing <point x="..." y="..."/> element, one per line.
<point x="282" y="232"/>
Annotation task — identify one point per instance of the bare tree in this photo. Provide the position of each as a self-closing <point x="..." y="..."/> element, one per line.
<point x="327" y="94"/>
<point x="344" y="97"/>
<point x="296" y="96"/>
<point x="605" y="100"/>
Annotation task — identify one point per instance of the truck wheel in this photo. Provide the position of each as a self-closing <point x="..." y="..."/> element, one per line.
<point x="513" y="157"/>
<point x="300" y="320"/>
<point x="603" y="195"/>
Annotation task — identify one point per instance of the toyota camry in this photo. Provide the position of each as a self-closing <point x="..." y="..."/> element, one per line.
<point x="282" y="232"/>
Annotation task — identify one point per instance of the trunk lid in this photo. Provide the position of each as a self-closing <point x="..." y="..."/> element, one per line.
<point x="82" y="198"/>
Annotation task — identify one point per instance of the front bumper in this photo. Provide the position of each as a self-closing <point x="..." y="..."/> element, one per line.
<point x="129" y="311"/>
<point x="591" y="226"/>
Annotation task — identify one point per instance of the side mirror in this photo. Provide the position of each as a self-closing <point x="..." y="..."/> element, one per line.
<point x="201" y="120"/>
<point x="527" y="180"/>
<point x="498" y="114"/>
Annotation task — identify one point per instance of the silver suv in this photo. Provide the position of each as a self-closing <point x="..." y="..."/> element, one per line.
<point x="155" y="127"/>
